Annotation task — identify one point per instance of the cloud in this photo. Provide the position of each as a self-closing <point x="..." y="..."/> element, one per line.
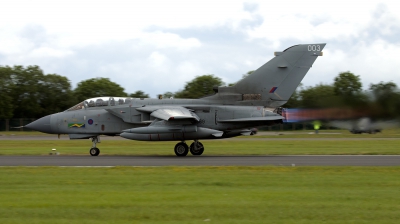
<point x="157" y="46"/>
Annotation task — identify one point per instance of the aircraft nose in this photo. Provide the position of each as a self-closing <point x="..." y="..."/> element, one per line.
<point x="42" y="125"/>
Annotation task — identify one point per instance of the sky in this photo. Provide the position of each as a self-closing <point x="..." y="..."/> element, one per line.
<point x="157" y="46"/>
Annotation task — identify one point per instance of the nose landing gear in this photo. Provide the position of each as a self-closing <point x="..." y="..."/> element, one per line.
<point x="94" y="151"/>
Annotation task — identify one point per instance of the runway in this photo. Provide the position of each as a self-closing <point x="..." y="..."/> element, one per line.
<point x="102" y="161"/>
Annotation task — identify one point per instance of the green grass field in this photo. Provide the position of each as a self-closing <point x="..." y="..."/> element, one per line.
<point x="240" y="146"/>
<point x="200" y="195"/>
<point x="205" y="194"/>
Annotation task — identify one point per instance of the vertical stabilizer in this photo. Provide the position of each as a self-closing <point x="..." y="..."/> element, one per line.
<point x="278" y="78"/>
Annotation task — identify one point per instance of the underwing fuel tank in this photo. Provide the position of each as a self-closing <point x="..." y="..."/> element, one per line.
<point x="162" y="129"/>
<point x="166" y="134"/>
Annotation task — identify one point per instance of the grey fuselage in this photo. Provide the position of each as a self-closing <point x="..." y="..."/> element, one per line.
<point x="111" y="120"/>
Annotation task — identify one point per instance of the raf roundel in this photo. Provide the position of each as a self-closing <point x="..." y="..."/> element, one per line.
<point x="90" y="121"/>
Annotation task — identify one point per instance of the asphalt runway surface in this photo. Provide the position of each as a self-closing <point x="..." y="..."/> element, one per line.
<point x="103" y="161"/>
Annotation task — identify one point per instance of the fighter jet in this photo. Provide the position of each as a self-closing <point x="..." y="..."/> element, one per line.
<point x="252" y="102"/>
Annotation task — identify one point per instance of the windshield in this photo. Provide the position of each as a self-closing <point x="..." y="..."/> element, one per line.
<point x="101" y="102"/>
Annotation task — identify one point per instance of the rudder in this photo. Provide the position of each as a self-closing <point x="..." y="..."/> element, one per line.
<point x="278" y="78"/>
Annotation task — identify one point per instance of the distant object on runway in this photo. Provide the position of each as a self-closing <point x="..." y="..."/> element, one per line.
<point x="364" y="125"/>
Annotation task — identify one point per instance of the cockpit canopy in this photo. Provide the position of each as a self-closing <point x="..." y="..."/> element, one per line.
<point x="101" y="102"/>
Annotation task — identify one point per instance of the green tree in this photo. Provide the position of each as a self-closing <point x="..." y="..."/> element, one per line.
<point x="26" y="91"/>
<point x="199" y="87"/>
<point x="347" y="84"/>
<point x="386" y="99"/>
<point x="97" y="87"/>
<point x="56" y="94"/>
<point x="168" y="95"/>
<point x="34" y="94"/>
<point x="6" y="106"/>
<point x="348" y="88"/>
<point x="320" y="96"/>
<point x="139" y="94"/>
<point x="383" y="90"/>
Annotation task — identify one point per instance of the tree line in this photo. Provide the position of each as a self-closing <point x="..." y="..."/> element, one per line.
<point x="26" y="92"/>
<point x="380" y="100"/>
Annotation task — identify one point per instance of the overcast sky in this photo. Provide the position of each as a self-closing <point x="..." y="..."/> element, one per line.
<point x="157" y="46"/>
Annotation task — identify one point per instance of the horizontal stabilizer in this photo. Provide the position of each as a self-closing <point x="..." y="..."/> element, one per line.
<point x="254" y="119"/>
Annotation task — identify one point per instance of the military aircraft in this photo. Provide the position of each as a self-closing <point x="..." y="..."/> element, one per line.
<point x="252" y="102"/>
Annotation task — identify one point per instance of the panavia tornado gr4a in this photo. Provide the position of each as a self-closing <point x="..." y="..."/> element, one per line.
<point x="253" y="101"/>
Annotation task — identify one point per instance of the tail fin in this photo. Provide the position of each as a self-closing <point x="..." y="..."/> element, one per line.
<point x="274" y="82"/>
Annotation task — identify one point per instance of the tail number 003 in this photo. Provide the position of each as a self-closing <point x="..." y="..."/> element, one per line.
<point x="314" y="48"/>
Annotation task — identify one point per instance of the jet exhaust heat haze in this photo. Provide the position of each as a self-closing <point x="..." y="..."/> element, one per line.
<point x="254" y="101"/>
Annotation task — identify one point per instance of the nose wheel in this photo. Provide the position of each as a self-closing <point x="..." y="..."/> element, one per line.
<point x="94" y="151"/>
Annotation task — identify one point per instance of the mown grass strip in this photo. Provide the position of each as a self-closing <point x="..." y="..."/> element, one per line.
<point x="220" y="147"/>
<point x="199" y="194"/>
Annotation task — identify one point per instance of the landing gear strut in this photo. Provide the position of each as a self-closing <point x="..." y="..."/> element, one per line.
<point x="95" y="151"/>
<point x="181" y="149"/>
<point x="196" y="148"/>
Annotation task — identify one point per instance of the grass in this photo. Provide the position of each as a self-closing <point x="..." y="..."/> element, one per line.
<point x="23" y="133"/>
<point x="387" y="133"/>
<point x="329" y="142"/>
<point x="335" y="133"/>
<point x="220" y="147"/>
<point x="200" y="195"/>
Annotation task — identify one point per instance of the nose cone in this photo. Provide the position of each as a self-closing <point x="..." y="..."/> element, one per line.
<point x="42" y="125"/>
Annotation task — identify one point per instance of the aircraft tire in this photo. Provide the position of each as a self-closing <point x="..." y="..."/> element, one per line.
<point x="181" y="149"/>
<point x="199" y="151"/>
<point x="94" y="151"/>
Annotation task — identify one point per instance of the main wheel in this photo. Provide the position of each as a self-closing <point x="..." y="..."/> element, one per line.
<point x="198" y="150"/>
<point x="94" y="151"/>
<point x="181" y="149"/>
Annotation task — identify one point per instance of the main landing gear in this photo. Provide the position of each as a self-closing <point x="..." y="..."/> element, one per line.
<point x="182" y="149"/>
<point x="95" y="151"/>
